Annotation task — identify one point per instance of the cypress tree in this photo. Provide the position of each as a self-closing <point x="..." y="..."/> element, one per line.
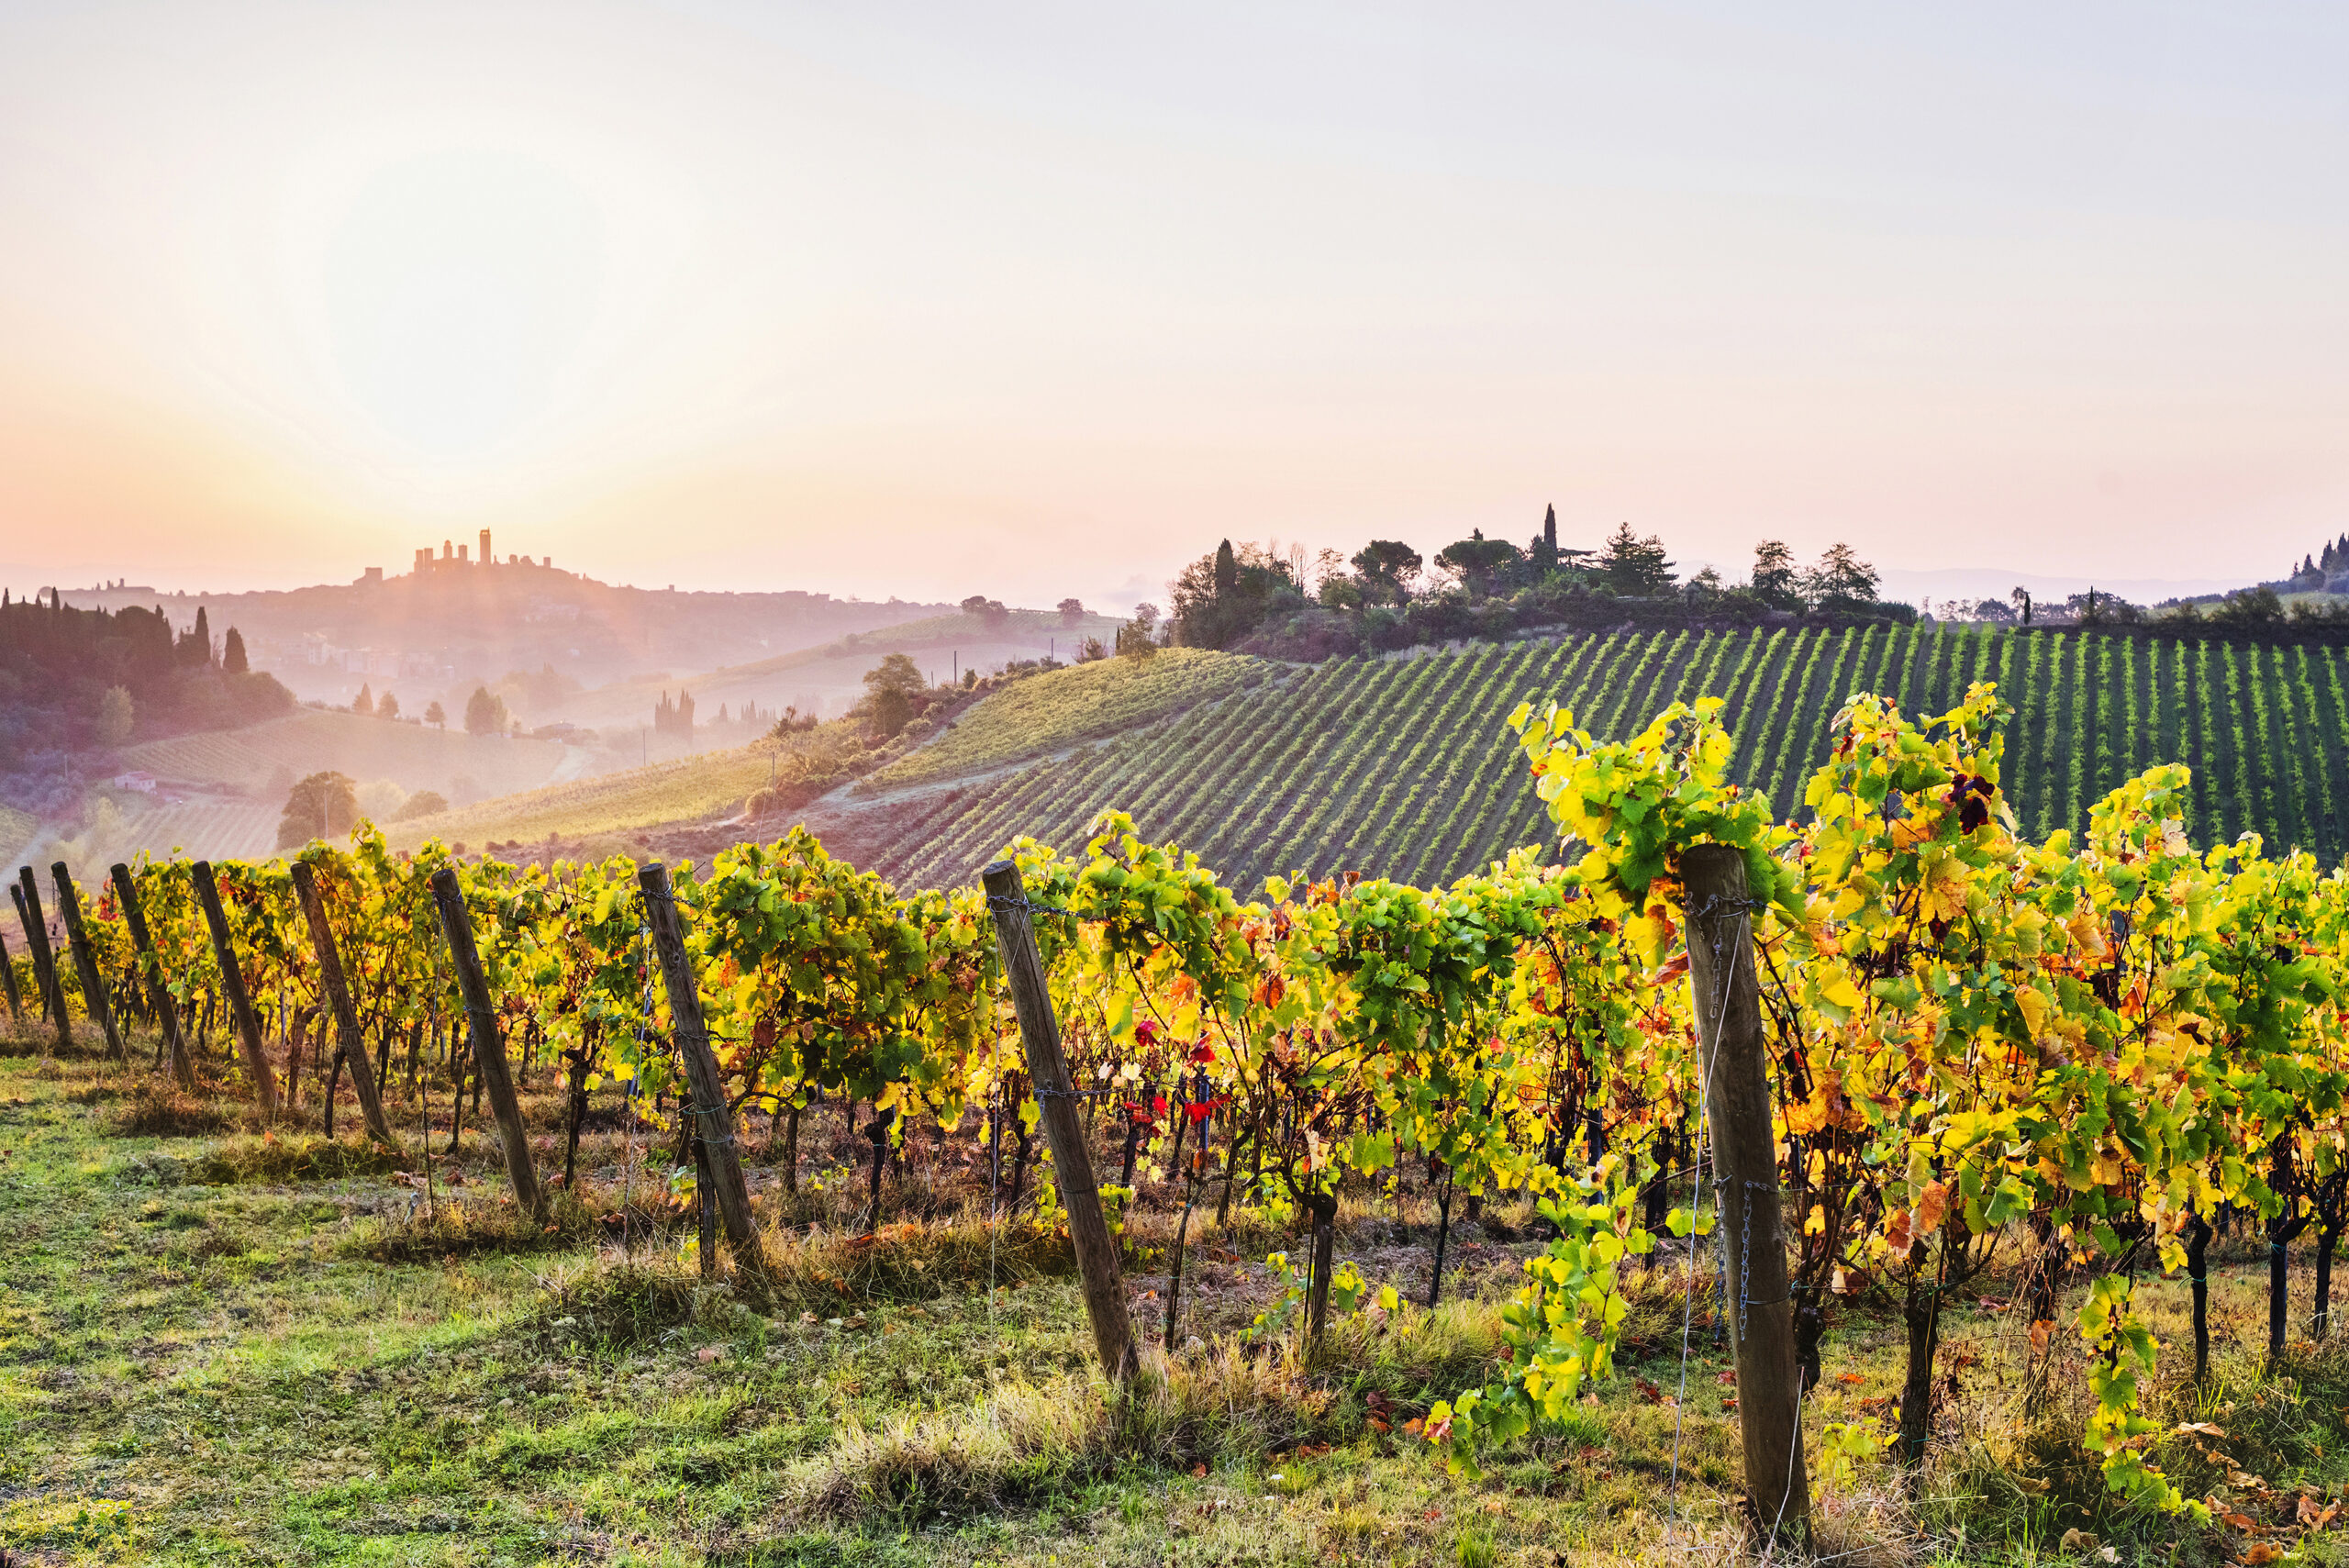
<point x="1227" y="571"/>
<point x="232" y="653"/>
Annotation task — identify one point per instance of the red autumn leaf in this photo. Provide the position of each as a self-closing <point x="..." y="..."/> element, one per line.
<point x="1202" y="1053"/>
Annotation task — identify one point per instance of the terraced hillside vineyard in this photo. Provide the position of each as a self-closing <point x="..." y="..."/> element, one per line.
<point x="1402" y="767"/>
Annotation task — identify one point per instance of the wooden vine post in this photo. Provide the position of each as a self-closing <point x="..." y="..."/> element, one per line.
<point x="24" y="924"/>
<point x="708" y="1085"/>
<point x="150" y="972"/>
<point x="9" y="982"/>
<point x="1040" y="1033"/>
<point x="52" y="989"/>
<point x="345" y="1017"/>
<point x="489" y="1049"/>
<point x="86" y="958"/>
<point x="232" y="981"/>
<point x="1734" y="1056"/>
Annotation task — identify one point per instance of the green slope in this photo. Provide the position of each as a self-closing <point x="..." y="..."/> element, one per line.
<point x="1403" y="768"/>
<point x="1048" y="712"/>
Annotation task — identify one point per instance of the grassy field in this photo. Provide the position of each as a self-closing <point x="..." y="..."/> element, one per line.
<point x="217" y="1347"/>
<point x="415" y="756"/>
<point x="1403" y="767"/>
<point x="220" y="829"/>
<point x="619" y="804"/>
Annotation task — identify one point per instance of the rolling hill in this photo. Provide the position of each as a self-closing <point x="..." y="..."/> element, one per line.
<point x="613" y="808"/>
<point x="1401" y="767"/>
<point x="827" y="679"/>
<point x="414" y="756"/>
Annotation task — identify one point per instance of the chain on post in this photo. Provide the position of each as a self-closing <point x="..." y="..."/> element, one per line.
<point x="1744" y="1259"/>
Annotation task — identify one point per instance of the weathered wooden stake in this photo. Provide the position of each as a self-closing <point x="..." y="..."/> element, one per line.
<point x="345" y="1017"/>
<point x="489" y="1049"/>
<point x="8" y="982"/>
<point x="150" y="973"/>
<point x="1040" y="1033"/>
<point x="241" y="1002"/>
<point x="86" y="958"/>
<point x="1737" y="1108"/>
<point x="52" y="989"/>
<point x="24" y="924"/>
<point x="702" y="1076"/>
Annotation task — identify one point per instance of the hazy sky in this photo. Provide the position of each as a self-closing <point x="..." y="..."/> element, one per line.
<point x="1034" y="300"/>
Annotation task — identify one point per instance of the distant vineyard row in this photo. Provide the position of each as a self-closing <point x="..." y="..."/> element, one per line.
<point x="1402" y="768"/>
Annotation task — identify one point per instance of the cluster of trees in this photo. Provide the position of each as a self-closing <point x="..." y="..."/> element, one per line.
<point x="2322" y="573"/>
<point x="896" y="694"/>
<point x="485" y="714"/>
<point x="367" y="705"/>
<point x="674" y="717"/>
<point x="989" y="613"/>
<point x="994" y="614"/>
<point x="491" y="710"/>
<point x="75" y="681"/>
<point x="328" y="805"/>
<point x="2254" y="611"/>
<point x="1386" y="596"/>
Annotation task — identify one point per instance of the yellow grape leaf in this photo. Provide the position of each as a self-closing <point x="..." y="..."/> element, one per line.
<point x="1838" y="992"/>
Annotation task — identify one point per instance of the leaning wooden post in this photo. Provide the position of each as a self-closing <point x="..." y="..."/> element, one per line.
<point x="8" y="981"/>
<point x="345" y="1017"/>
<point x="233" y="979"/>
<point x="702" y="1076"/>
<point x="1031" y="998"/>
<point x="489" y="1049"/>
<point x="1733" y="1058"/>
<point x="150" y="970"/>
<point x="86" y="959"/>
<point x="44" y="958"/>
<point x="32" y="953"/>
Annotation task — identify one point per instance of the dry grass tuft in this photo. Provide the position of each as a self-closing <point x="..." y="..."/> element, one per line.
<point x="621" y="1304"/>
<point x="153" y="1110"/>
<point x="913" y="1261"/>
<point x="302" y="1158"/>
<point x="1218" y="1405"/>
<point x="477" y="1223"/>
